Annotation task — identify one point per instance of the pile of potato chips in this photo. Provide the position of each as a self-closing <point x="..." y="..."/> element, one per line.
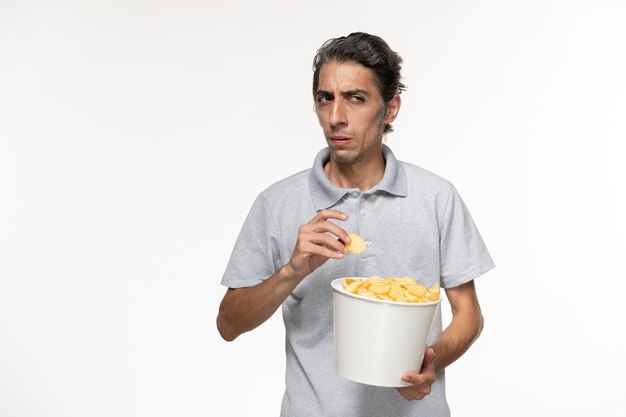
<point x="406" y="290"/>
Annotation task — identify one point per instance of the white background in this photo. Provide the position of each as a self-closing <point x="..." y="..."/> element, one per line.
<point x="134" y="136"/>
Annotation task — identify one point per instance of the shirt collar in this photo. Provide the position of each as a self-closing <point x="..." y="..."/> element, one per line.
<point x="325" y="194"/>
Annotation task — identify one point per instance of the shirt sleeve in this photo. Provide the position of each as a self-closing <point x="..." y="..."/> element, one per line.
<point x="256" y="255"/>
<point x="463" y="254"/>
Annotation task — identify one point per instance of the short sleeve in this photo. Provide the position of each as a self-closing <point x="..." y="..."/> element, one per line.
<point x="463" y="254"/>
<point x="256" y="255"/>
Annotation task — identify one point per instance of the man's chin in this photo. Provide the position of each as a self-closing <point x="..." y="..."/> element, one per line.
<point x="343" y="156"/>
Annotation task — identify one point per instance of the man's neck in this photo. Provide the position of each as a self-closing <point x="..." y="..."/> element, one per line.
<point x="362" y="175"/>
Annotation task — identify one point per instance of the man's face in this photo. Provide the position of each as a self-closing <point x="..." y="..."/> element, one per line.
<point x="351" y="111"/>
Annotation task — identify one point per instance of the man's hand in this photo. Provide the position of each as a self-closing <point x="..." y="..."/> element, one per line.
<point x="243" y="309"/>
<point x="318" y="241"/>
<point x="422" y="381"/>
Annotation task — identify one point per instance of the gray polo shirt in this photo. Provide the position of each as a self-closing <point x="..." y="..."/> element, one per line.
<point x="415" y="224"/>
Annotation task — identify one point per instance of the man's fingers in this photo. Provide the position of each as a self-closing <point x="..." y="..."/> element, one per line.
<point x="325" y="226"/>
<point x="329" y="214"/>
<point x="329" y="242"/>
<point x="319" y="250"/>
<point x="410" y="377"/>
<point x="332" y="228"/>
<point x="422" y="382"/>
<point x="404" y="394"/>
<point x="427" y="371"/>
<point x="428" y="363"/>
<point x="410" y="393"/>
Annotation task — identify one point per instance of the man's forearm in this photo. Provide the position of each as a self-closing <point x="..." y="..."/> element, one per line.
<point x="244" y="309"/>
<point x="464" y="329"/>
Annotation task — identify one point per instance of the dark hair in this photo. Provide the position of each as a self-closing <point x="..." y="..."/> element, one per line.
<point x="370" y="51"/>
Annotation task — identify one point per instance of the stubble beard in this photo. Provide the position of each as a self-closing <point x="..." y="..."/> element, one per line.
<point x="353" y="156"/>
<point x="359" y="154"/>
<point x="350" y="156"/>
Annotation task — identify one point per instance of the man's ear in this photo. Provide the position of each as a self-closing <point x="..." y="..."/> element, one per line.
<point x="393" y="107"/>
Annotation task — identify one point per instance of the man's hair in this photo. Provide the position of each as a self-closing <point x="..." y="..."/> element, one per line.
<point x="370" y="51"/>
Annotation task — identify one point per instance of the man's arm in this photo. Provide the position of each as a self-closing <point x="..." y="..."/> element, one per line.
<point x="244" y="309"/>
<point x="464" y="329"/>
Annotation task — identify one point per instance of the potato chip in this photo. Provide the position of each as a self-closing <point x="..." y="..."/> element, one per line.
<point x="354" y="286"/>
<point x="435" y="292"/>
<point x="392" y="289"/>
<point x="356" y="244"/>
<point x="379" y="289"/>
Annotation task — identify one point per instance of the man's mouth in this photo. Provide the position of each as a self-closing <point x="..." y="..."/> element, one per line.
<point x="340" y="140"/>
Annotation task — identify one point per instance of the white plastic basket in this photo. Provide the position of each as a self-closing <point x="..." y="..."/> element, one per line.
<point x="377" y="340"/>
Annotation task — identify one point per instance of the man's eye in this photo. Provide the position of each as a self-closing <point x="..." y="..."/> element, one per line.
<point x="356" y="98"/>
<point x="323" y="99"/>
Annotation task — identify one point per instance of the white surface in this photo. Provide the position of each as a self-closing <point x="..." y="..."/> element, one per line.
<point x="134" y="136"/>
<point x="376" y="341"/>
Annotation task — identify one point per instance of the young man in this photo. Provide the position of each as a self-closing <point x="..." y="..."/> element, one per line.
<point x="292" y="243"/>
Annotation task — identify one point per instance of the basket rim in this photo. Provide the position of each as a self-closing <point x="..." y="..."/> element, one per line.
<point x="337" y="287"/>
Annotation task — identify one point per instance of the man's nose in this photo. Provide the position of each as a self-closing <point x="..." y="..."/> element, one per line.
<point x="338" y="115"/>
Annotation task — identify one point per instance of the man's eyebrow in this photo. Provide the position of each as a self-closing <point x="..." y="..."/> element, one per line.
<point x="358" y="91"/>
<point x="346" y="93"/>
<point x="323" y="93"/>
